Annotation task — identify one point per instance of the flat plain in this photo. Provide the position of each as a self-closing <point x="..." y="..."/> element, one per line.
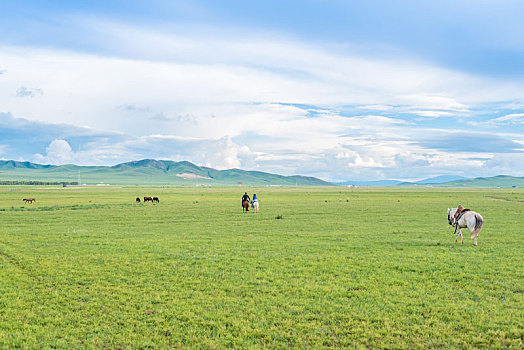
<point x="315" y="268"/>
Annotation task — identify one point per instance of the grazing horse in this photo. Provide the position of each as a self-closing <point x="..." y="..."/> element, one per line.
<point x="467" y="218"/>
<point x="29" y="200"/>
<point x="245" y="206"/>
<point x="138" y="199"/>
<point x="155" y="199"/>
<point x="254" y="205"/>
<point x="148" y="199"/>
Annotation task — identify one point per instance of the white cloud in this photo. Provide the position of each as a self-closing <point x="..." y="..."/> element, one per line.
<point x="225" y="154"/>
<point x="505" y="164"/>
<point x="515" y="118"/>
<point x="58" y="152"/>
<point x="377" y="107"/>
<point x="246" y="101"/>
<point x="179" y="74"/>
<point x="23" y="91"/>
<point x="361" y="163"/>
<point x="432" y="114"/>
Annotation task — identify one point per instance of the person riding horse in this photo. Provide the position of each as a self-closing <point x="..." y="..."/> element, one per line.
<point x="245" y="197"/>
<point x="255" y="199"/>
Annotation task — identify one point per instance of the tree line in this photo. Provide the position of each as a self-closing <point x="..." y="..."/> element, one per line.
<point x="34" y="183"/>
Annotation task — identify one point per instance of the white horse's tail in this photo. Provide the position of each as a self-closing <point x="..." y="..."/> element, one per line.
<point x="479" y="222"/>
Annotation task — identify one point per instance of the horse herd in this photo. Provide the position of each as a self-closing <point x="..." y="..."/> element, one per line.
<point x="457" y="217"/>
<point x="148" y="199"/>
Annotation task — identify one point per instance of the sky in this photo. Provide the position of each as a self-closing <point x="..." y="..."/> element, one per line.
<point x="337" y="89"/>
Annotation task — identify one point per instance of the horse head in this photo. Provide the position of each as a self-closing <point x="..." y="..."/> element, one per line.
<point x="451" y="216"/>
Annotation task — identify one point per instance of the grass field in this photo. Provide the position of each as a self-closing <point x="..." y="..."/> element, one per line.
<point x="315" y="268"/>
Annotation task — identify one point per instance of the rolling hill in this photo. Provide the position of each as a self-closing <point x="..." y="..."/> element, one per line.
<point x="445" y="181"/>
<point x="146" y="172"/>
<point x="165" y="173"/>
<point x="494" y="181"/>
<point x="479" y="182"/>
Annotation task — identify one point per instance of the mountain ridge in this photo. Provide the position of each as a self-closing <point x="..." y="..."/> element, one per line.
<point x="444" y="181"/>
<point x="149" y="172"/>
<point x="168" y="172"/>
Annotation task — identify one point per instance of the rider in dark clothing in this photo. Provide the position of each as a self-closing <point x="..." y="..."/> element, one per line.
<point x="245" y="197"/>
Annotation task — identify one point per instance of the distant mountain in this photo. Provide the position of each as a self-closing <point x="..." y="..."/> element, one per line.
<point x="441" y="179"/>
<point x="446" y="181"/>
<point x="494" y="181"/>
<point x="7" y="164"/>
<point x="165" y="172"/>
<point x="377" y="183"/>
<point x="148" y="172"/>
<point x="387" y="183"/>
<point x="437" y="180"/>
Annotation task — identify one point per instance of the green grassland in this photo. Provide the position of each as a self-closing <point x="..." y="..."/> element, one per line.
<point x="315" y="268"/>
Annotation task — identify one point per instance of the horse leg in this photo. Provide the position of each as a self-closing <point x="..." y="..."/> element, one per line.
<point x="459" y="233"/>
<point x="475" y="241"/>
<point x="472" y="229"/>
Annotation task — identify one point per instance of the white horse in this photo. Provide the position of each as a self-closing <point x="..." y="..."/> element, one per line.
<point x="254" y="205"/>
<point x="470" y="219"/>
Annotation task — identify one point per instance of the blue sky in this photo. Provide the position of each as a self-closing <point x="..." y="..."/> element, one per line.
<point x="341" y="90"/>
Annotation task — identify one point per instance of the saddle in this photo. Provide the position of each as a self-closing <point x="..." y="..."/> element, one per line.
<point x="460" y="211"/>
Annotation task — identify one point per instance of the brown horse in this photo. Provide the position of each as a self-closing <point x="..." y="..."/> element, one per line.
<point x="245" y="206"/>
<point x="29" y="200"/>
<point x="148" y="199"/>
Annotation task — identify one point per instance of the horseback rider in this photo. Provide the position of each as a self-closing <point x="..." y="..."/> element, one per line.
<point x="255" y="199"/>
<point x="245" y="197"/>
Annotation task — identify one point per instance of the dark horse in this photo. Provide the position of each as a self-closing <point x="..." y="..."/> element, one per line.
<point x="245" y="206"/>
<point x="138" y="199"/>
<point x="29" y="200"/>
<point x="148" y="199"/>
<point x="155" y="199"/>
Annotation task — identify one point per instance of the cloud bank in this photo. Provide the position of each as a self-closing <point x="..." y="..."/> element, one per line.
<point x="257" y="100"/>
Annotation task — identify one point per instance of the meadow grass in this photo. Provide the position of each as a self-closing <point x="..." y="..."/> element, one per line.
<point x="315" y="268"/>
